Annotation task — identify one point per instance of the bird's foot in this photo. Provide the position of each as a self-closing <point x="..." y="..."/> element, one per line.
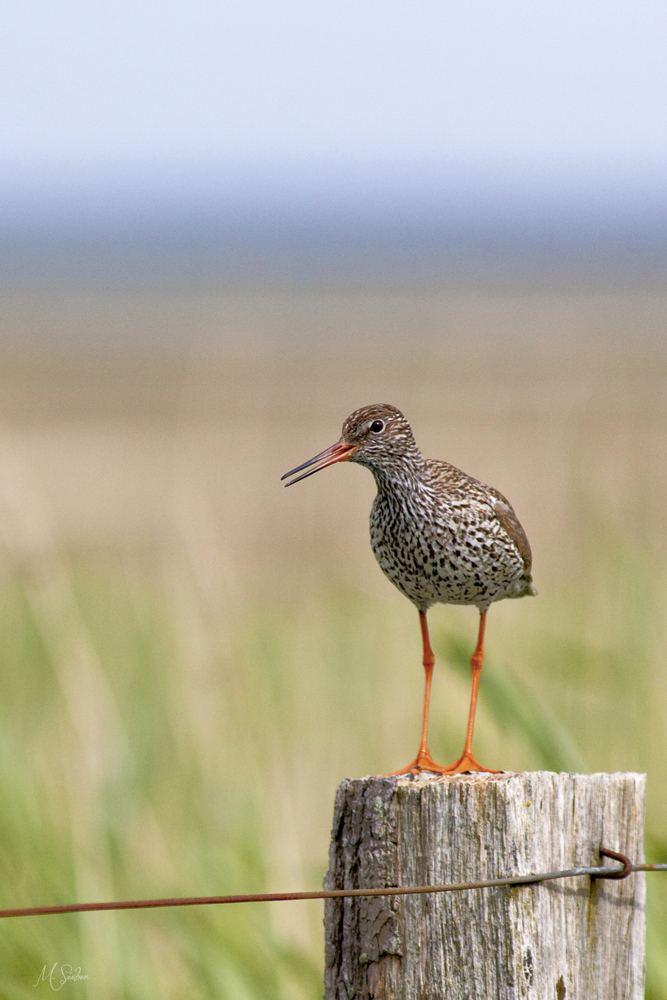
<point x="422" y="762"/>
<point x="466" y="763"/>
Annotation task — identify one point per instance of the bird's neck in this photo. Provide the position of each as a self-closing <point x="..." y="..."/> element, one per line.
<point x="400" y="477"/>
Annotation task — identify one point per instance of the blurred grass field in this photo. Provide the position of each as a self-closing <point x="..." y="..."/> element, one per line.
<point x="192" y="657"/>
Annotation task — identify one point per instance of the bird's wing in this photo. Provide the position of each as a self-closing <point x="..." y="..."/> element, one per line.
<point x="454" y="479"/>
<point x="510" y="522"/>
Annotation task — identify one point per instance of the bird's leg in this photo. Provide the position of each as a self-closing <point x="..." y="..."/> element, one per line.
<point x="467" y="762"/>
<point x="423" y="761"/>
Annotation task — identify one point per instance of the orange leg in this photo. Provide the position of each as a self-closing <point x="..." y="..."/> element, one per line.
<point x="467" y="762"/>
<point x="423" y="761"/>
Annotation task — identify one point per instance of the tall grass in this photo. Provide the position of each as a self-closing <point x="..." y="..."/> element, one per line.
<point x="158" y="742"/>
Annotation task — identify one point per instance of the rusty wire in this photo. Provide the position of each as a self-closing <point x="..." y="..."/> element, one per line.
<point x="626" y="868"/>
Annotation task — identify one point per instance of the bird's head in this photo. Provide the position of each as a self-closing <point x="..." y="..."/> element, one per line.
<point x="377" y="436"/>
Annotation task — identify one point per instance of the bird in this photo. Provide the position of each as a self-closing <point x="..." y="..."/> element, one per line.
<point x="439" y="535"/>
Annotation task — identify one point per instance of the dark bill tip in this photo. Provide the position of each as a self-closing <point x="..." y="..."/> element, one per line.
<point x="338" y="452"/>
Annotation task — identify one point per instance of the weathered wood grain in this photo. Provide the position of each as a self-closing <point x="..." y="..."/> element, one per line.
<point x="567" y="940"/>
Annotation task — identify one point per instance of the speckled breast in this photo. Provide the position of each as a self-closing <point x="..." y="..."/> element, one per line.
<point x="456" y="553"/>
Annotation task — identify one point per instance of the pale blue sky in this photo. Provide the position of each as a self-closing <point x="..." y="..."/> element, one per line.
<point x="206" y="96"/>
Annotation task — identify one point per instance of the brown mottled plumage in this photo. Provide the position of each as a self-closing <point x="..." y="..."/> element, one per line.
<point x="440" y="536"/>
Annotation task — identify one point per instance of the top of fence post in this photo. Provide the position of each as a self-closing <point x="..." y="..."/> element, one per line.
<point x="570" y="939"/>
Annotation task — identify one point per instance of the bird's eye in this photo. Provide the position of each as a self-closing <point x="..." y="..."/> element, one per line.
<point x="377" y="426"/>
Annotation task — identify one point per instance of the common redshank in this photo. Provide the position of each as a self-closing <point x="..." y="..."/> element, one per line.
<point x="440" y="536"/>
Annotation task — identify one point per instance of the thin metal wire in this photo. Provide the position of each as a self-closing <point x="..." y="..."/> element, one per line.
<point x="276" y="897"/>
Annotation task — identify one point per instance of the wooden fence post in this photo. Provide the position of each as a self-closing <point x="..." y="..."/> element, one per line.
<point x="574" y="939"/>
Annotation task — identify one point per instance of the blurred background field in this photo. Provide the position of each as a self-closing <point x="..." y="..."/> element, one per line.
<point x="194" y="657"/>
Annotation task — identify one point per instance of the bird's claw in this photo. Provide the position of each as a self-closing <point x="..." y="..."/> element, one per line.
<point x="467" y="763"/>
<point x="424" y="762"/>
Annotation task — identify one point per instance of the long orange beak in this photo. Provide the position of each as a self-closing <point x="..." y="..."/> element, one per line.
<point x="338" y="452"/>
